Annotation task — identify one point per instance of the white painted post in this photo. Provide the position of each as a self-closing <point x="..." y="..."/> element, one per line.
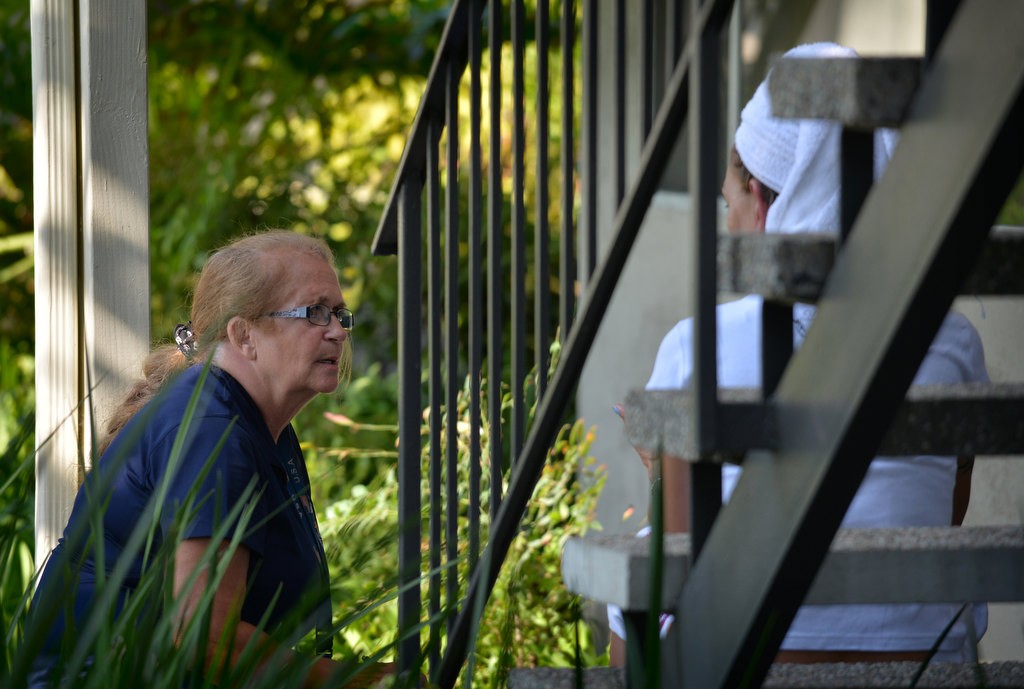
<point x="91" y="207"/>
<point x="115" y="199"/>
<point x="56" y="204"/>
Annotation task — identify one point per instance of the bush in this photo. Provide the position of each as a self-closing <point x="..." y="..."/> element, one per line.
<point x="17" y="519"/>
<point x="531" y="619"/>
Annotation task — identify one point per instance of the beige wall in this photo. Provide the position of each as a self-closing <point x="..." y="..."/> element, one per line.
<point x="655" y="293"/>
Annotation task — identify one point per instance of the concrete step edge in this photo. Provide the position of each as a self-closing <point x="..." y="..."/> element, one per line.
<point x="996" y="675"/>
<point x="925" y="565"/>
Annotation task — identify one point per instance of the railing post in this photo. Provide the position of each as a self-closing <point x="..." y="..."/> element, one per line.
<point x="706" y="479"/>
<point x="57" y="281"/>
<point x="517" y="428"/>
<point x="451" y="344"/>
<point x="410" y="317"/>
<point x="495" y="237"/>
<point x="590" y="122"/>
<point x="567" y="253"/>
<point x="434" y="387"/>
<point x="542" y="261"/>
<point x="476" y="261"/>
<point x="90" y="156"/>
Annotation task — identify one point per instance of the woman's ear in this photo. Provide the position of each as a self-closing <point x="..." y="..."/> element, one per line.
<point x="756" y="189"/>
<point x="241" y="336"/>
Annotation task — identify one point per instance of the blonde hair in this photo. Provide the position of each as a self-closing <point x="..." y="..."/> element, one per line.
<point x="239" y="279"/>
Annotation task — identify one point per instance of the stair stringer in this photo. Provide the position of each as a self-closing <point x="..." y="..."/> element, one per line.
<point x="915" y="240"/>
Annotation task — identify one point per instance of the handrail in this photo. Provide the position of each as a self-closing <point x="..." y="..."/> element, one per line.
<point x="452" y="48"/>
<point x="692" y="78"/>
<point x="655" y="155"/>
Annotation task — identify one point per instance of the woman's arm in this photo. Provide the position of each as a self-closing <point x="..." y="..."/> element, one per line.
<point x="675" y="476"/>
<point x="227" y="605"/>
<point x="962" y="487"/>
<point x="616" y="651"/>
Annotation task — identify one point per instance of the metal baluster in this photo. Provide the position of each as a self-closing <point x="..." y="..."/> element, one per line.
<point x="706" y="478"/>
<point x="648" y="46"/>
<point x="620" y="101"/>
<point x="518" y="325"/>
<point x="434" y="384"/>
<point x="674" y="34"/>
<point x="856" y="170"/>
<point x="542" y="258"/>
<point x="938" y="15"/>
<point x="495" y="237"/>
<point x="475" y="281"/>
<point x="776" y="343"/>
<point x="410" y="316"/>
<point x="567" y="249"/>
<point x="590" y="106"/>
<point x="451" y="343"/>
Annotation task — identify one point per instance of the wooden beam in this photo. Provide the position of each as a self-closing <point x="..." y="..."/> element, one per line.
<point x="115" y="202"/>
<point x="90" y="157"/>
<point x="57" y="245"/>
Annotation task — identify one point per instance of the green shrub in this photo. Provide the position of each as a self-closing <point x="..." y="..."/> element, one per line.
<point x="142" y="639"/>
<point x="531" y="619"/>
<point x="17" y="517"/>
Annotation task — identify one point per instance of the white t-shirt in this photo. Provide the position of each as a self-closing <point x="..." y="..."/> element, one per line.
<point x="896" y="491"/>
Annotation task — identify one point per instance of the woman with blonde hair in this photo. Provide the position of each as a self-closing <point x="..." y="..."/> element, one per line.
<point x="215" y="443"/>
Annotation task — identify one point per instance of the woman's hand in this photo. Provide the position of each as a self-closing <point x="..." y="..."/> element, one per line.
<point x="645" y="455"/>
<point x="675" y="474"/>
<point x="372" y="676"/>
<point x="224" y="616"/>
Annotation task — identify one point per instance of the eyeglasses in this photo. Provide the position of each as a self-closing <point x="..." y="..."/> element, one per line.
<point x="319" y="314"/>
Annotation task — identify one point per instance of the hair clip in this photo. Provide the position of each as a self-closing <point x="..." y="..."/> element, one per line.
<point x="185" y="338"/>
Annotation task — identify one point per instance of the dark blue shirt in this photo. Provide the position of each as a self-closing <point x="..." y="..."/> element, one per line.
<point x="221" y="459"/>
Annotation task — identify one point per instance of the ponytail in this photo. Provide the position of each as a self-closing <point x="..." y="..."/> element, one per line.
<point x="163" y="363"/>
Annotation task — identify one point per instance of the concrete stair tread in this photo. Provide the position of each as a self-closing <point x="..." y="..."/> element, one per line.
<point x="794" y="267"/>
<point x="968" y="418"/>
<point x="865" y="93"/>
<point x="863" y="566"/>
<point x="996" y="675"/>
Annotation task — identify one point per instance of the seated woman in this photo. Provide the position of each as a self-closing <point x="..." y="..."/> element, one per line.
<point x="192" y="445"/>
<point x="783" y="176"/>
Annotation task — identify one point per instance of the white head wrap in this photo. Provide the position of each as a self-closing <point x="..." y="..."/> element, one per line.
<point x="799" y="159"/>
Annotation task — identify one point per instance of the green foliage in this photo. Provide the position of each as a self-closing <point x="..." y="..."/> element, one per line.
<point x="279" y="114"/>
<point x="16" y="322"/>
<point x="1013" y="209"/>
<point x="531" y="619"/>
<point x="144" y="630"/>
<point x="17" y="433"/>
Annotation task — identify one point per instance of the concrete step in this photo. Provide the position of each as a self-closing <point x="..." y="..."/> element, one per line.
<point x="970" y="418"/>
<point x="906" y="565"/>
<point x="1002" y="675"/>
<point x="867" y="93"/>
<point x="565" y="678"/>
<point x="793" y="267"/>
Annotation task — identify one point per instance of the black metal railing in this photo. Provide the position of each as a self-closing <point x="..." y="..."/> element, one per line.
<point x="494" y="288"/>
<point x="402" y="230"/>
<point x="405" y="229"/>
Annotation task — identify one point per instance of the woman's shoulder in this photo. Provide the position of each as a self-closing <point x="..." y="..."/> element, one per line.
<point x="200" y="399"/>
<point x="741" y="313"/>
<point x="956" y="355"/>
